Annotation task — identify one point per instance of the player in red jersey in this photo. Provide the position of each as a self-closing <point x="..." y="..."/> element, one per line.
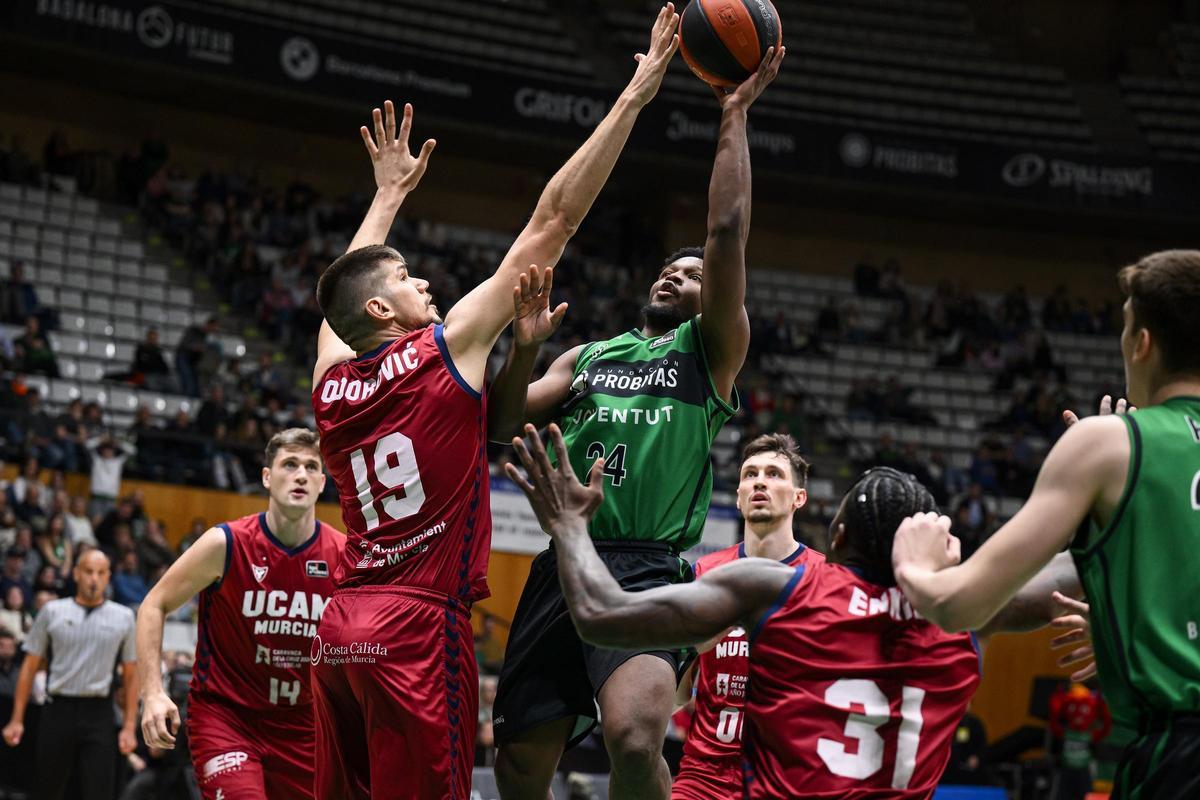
<point x="263" y="581"/>
<point x="852" y="695"/>
<point x="770" y="491"/>
<point x="397" y="396"/>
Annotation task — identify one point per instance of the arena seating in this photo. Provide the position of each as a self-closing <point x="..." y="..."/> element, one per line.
<point x="106" y="292"/>
<point x="515" y="35"/>
<point x="917" y="67"/>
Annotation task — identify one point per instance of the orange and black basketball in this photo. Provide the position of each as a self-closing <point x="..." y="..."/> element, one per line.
<point x="724" y="41"/>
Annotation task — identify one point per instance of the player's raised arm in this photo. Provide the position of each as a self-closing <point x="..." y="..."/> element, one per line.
<point x="512" y="400"/>
<point x="199" y="567"/>
<point x="397" y="172"/>
<point x="723" y="322"/>
<point x="605" y="614"/>
<point x="475" y="322"/>
<point x="1084" y="470"/>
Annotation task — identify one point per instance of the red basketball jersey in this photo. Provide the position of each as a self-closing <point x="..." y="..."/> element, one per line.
<point x="257" y="623"/>
<point x="722" y="673"/>
<point x="852" y="694"/>
<point x="404" y="437"/>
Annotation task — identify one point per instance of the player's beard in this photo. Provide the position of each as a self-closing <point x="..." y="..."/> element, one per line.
<point x="663" y="316"/>
<point x="762" y="515"/>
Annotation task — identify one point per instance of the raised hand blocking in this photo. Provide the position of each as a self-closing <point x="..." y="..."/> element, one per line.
<point x="395" y="166"/>
<point x="652" y="65"/>
<point x="533" y="321"/>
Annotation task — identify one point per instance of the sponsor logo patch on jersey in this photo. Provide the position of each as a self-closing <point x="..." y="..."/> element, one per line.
<point x="259" y="572"/>
<point x="316" y="569"/>
<point x="666" y="338"/>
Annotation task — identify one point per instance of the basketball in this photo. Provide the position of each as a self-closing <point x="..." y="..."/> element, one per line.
<point x="724" y="41"/>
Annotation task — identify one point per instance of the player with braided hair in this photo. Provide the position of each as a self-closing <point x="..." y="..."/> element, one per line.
<point x="854" y="695"/>
<point x="880" y="501"/>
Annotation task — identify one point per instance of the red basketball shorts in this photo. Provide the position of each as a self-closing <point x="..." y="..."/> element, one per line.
<point x="396" y="692"/>
<point x="708" y="779"/>
<point x="240" y="755"/>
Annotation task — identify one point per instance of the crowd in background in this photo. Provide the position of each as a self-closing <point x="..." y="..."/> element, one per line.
<point x="262" y="248"/>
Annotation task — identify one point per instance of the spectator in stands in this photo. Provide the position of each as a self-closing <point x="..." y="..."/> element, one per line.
<point x="72" y="432"/>
<point x="13" y="573"/>
<point x="213" y="412"/>
<point x="93" y="420"/>
<point x="194" y="347"/>
<point x="10" y="666"/>
<point x="55" y="546"/>
<point x="199" y="526"/>
<point x="8" y="524"/>
<point x="79" y="524"/>
<point x="18" y="298"/>
<point x="34" y="354"/>
<point x="149" y="366"/>
<point x="31" y="565"/>
<point x="984" y="472"/>
<point x="108" y="465"/>
<point x="14" y="615"/>
<point x="48" y="579"/>
<point x="154" y="551"/>
<point x="227" y="470"/>
<point x="980" y="510"/>
<point x="129" y="587"/>
<point x="267" y="380"/>
<point x="46" y="438"/>
<point x="143" y="422"/>
<point x="29" y="509"/>
<point x="120" y="513"/>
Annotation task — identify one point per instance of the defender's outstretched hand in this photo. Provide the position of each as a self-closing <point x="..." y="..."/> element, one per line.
<point x="652" y="65"/>
<point x="395" y="166"/>
<point x="533" y="321"/>
<point x="561" y="502"/>
<point x="1106" y="408"/>
<point x="750" y="89"/>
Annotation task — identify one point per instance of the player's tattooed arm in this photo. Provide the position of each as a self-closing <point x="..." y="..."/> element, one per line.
<point x="397" y="172"/>
<point x="723" y="321"/>
<point x="476" y="321"/>
<point x="200" y="566"/>
<point x="605" y="614"/>
<point x="1083" y="475"/>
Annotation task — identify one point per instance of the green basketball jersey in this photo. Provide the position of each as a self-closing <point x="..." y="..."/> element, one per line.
<point x="1142" y="572"/>
<point x="650" y="409"/>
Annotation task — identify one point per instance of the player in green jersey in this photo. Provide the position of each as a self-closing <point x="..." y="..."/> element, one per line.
<point x="649" y="401"/>
<point x="1133" y="482"/>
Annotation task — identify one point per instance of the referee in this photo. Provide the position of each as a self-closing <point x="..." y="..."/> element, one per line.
<point x="80" y="640"/>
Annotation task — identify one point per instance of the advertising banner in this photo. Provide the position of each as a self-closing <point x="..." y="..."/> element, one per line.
<point x="272" y="52"/>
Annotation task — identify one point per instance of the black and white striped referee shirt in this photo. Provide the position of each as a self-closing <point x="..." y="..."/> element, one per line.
<point x="83" y="645"/>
